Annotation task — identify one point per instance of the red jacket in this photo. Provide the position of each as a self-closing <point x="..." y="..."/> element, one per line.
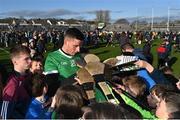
<point x="161" y="49"/>
<point x="15" y="90"/>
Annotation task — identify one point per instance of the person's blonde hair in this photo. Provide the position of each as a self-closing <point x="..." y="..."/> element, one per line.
<point x="137" y="84"/>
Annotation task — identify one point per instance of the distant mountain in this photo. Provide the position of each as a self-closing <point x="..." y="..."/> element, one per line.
<point x="148" y="19"/>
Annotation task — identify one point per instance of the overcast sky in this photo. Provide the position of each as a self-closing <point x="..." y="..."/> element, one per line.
<point x="86" y="9"/>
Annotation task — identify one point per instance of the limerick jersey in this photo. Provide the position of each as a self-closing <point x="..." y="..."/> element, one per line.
<point x="61" y="63"/>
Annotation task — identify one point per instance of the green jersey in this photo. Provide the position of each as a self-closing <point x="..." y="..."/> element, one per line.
<point x="145" y="113"/>
<point x="61" y="63"/>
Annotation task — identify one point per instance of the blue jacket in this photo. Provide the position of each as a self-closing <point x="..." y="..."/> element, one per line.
<point x="37" y="111"/>
<point x="159" y="77"/>
<point x="148" y="80"/>
<point x="138" y="52"/>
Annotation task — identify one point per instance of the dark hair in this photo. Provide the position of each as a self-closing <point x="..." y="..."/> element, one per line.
<point x="16" y="50"/>
<point x="68" y="112"/>
<point x="69" y="101"/>
<point x="74" y="33"/>
<point x="174" y="115"/>
<point x="108" y="110"/>
<point x="37" y="57"/>
<point x="24" y="40"/>
<point x="158" y="90"/>
<point x="172" y="101"/>
<point x="38" y="84"/>
<point x="69" y="95"/>
<point x="127" y="46"/>
<point x="166" y="68"/>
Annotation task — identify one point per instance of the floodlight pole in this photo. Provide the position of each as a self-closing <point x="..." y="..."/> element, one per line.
<point x="136" y="17"/>
<point x="168" y="19"/>
<point x="152" y="19"/>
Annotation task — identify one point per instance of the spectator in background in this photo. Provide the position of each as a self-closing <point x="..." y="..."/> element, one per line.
<point x="177" y="42"/>
<point x="140" y="38"/>
<point x="168" y="46"/>
<point x="32" y="47"/>
<point x="147" y="52"/>
<point x="41" y="48"/>
<point x="24" y="42"/>
<point x="128" y="49"/>
<point x="162" y="52"/>
<point x="123" y="39"/>
<point x="110" y="39"/>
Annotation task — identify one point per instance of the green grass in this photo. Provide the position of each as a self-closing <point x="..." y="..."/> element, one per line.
<point x="107" y="52"/>
<point x="4" y="58"/>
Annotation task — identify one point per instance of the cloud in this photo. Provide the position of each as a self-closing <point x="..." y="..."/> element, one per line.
<point x="41" y="14"/>
<point x="94" y="11"/>
<point x="55" y="13"/>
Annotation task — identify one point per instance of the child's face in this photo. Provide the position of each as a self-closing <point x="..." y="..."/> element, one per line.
<point x="161" y="110"/>
<point x="152" y="100"/>
<point x="36" y="66"/>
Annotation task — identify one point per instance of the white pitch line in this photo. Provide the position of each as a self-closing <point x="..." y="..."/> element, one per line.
<point x="4" y="50"/>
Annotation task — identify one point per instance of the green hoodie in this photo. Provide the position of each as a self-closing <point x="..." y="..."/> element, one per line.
<point x="145" y="113"/>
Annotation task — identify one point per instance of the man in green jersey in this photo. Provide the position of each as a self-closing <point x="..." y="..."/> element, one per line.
<point x="60" y="65"/>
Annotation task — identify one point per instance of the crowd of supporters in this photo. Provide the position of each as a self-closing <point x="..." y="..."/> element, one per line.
<point x="127" y="86"/>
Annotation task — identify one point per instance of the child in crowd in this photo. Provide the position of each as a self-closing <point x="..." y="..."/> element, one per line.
<point x="67" y="103"/>
<point x="36" y="109"/>
<point x="15" y="96"/>
<point x="135" y="86"/>
<point x="107" y="110"/>
<point x="168" y="106"/>
<point x="35" y="67"/>
<point x="36" y="64"/>
<point x="155" y="93"/>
